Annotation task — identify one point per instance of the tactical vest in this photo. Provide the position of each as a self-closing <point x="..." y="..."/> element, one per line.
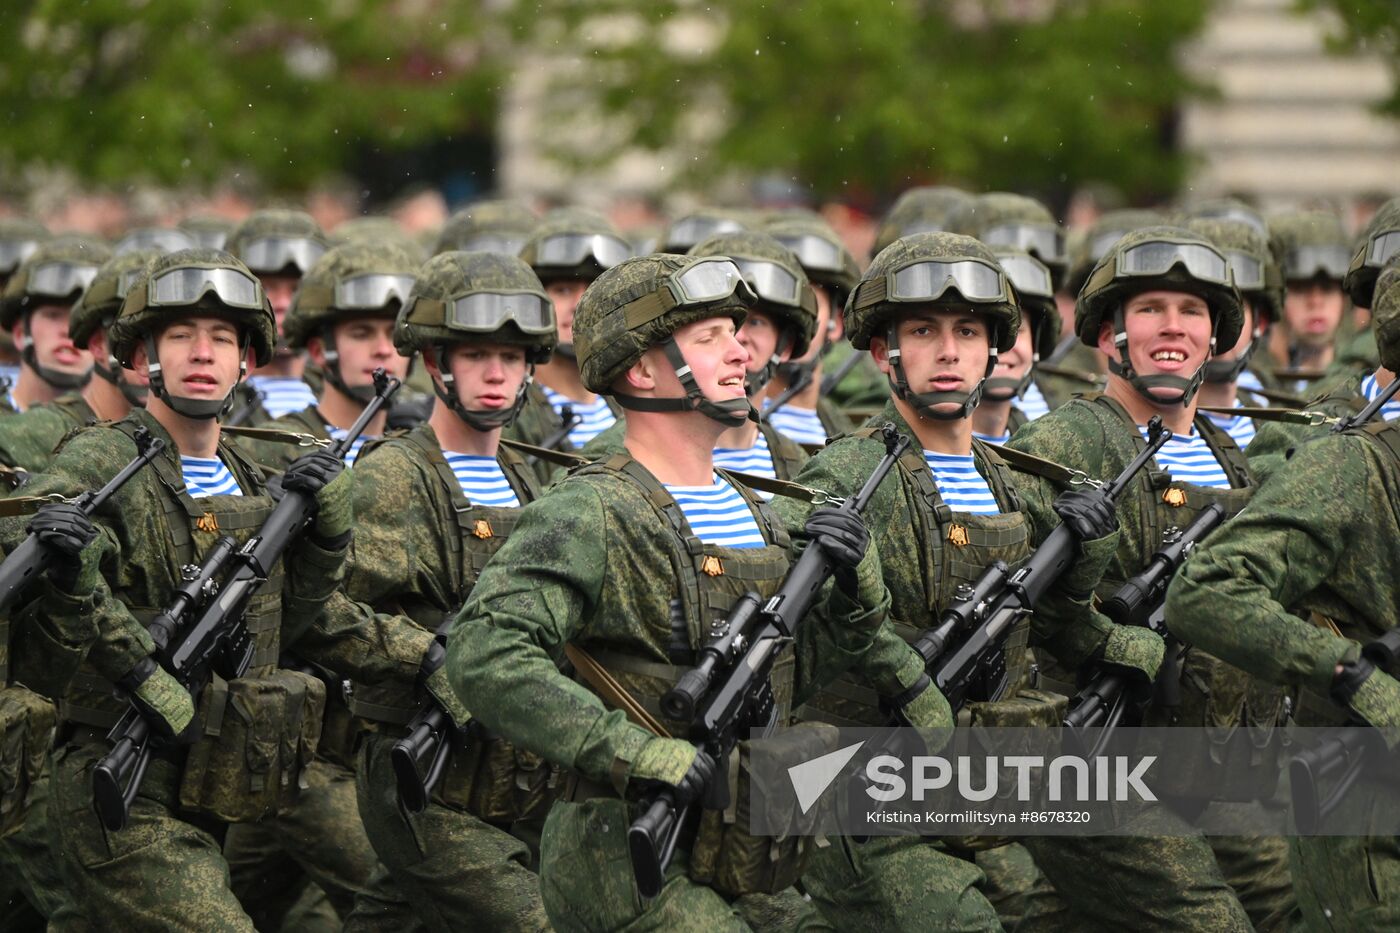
<point x="788" y="457"/>
<point x="954" y="548"/>
<point x="710" y="580"/>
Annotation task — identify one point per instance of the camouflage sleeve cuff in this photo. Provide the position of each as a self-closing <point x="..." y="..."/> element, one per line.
<point x="1083" y="575"/>
<point x="1071" y="630"/>
<point x="615" y="753"/>
<point x="1339" y="651"/>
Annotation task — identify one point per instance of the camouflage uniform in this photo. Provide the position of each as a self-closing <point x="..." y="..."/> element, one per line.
<point x="27" y="441"/>
<point x="606" y="563"/>
<point x="1176" y="881"/>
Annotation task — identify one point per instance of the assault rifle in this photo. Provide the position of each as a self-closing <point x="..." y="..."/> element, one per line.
<point x="728" y="692"/>
<point x="32" y="557"/>
<point x="1141" y="601"/>
<point x="216" y="640"/>
<point x="1369" y="412"/>
<point x="428" y="740"/>
<point x="983" y="614"/>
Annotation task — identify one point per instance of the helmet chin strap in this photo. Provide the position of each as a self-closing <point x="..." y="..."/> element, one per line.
<point x="362" y="394"/>
<point x="199" y="408"/>
<point x="755" y="382"/>
<point x="54" y="377"/>
<point x="1003" y="388"/>
<point x="731" y="413"/>
<point x="110" y="372"/>
<point x="445" y="388"/>
<point x="1185" y="388"/>
<point x="799" y="373"/>
<point x="923" y="402"/>
<point x="1221" y="371"/>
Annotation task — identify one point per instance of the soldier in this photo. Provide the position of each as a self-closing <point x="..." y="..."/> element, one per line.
<point x="1011" y="397"/>
<point x="436" y="503"/>
<point x="1314" y="305"/>
<point x="19" y="237"/>
<point x="569" y="249"/>
<point x="1159" y="304"/>
<point x="596" y="568"/>
<point x="487" y="227"/>
<point x="209" y="230"/>
<point x="280" y="247"/>
<point x="1000" y="218"/>
<point x="162" y="239"/>
<point x="190" y="323"/>
<point x="35" y="310"/>
<point x="686" y="231"/>
<point x="920" y="210"/>
<point x="27" y="441"/>
<point x="936" y="310"/>
<point x="376" y="229"/>
<point x="1305" y="578"/>
<point x="1314" y="252"/>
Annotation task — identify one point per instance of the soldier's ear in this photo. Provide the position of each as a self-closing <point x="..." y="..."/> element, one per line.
<point x="1106" y="344"/>
<point x="642" y="374"/>
<point x="880" y="353"/>
<point x="316" y="349"/>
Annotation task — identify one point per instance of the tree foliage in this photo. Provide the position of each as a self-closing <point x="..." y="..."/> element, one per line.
<point x="183" y="91"/>
<point x="1368" y="26"/>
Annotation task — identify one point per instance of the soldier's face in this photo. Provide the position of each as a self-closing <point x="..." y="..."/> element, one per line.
<point x="488" y="376"/>
<point x="48" y="329"/>
<point x="759" y="335"/>
<point x="939" y="350"/>
<point x="1246" y="333"/>
<point x="1168" y="334"/>
<point x="199" y="357"/>
<point x="364" y="345"/>
<point x="565" y="295"/>
<point x="1313" y="312"/>
<point x="829" y="317"/>
<point x="717" y="358"/>
<point x="1016" y="362"/>
<point x="280" y="290"/>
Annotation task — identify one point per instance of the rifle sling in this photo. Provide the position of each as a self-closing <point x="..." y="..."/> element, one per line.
<point x="1039" y="466"/>
<point x="563" y="458"/>
<point x="606" y="686"/>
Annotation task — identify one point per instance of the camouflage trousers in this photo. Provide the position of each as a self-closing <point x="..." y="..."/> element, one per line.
<point x="445" y="869"/>
<point x="587" y="884"/>
<point x="319" y="839"/>
<point x="1349" y="883"/>
<point x="892" y="884"/>
<point x="1023" y="897"/>
<point x="162" y="872"/>
<point x="31" y="889"/>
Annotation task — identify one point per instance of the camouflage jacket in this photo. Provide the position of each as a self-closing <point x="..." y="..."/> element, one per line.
<point x="278" y="455"/>
<point x="538" y="420"/>
<point x="27" y="441"/>
<point x="1275" y="441"/>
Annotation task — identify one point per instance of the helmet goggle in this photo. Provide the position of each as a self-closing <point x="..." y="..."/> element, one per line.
<point x="1157" y="257"/>
<point x="1238" y="214"/>
<point x="487" y="312"/>
<point x="274" y="253"/>
<point x="14" y="252"/>
<point x="1247" y="270"/>
<point x="814" y="252"/>
<point x="713" y="278"/>
<point x="572" y="249"/>
<point x="126" y="280"/>
<point x="493" y="243"/>
<point x="974" y="280"/>
<point x="1310" y="262"/>
<point x="1028" y="275"/>
<point x="1103" y="243"/>
<point x="167" y="241"/>
<point x="60" y="279"/>
<point x="1045" y="240"/>
<point x="187" y="285"/>
<point x="691" y="230"/>
<point x="1382" y="247"/>
<point x="771" y="282"/>
<point x="372" y="290"/>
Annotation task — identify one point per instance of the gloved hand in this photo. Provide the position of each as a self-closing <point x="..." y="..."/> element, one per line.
<point x="1140" y="650"/>
<point x="1088" y="511"/>
<point x="922" y="706"/>
<point x="433" y="679"/>
<point x="67" y="532"/>
<point x="322" y="474"/>
<point x="844" y="538"/>
<point x="675" y="763"/>
<point x="165" y="705"/>
<point x="1372" y="694"/>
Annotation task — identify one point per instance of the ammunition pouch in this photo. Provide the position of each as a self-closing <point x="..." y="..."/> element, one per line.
<point x="26" y="733"/>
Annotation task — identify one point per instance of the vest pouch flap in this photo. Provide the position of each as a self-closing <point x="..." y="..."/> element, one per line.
<point x="26" y="733"/>
<point x="260" y="734"/>
<point x="493" y="780"/>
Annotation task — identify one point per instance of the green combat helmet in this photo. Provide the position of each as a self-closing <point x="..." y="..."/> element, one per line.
<point x="19" y="238"/>
<point x="193" y="282"/>
<point x="98" y="308"/>
<point x="1169" y="258"/>
<point x="640" y="304"/>
<point x="1256" y="276"/>
<point x="1086" y="250"/>
<point x="1381" y="240"/>
<point x="1000" y="218"/>
<point x="1035" y="295"/>
<point x="819" y="249"/>
<point x="165" y="239"/>
<point x="685" y="232"/>
<point x="278" y="242"/>
<point x="57" y="272"/>
<point x="783" y="291"/>
<point x="920" y="210"/>
<point x="1385" y="312"/>
<point x="500" y="226"/>
<point x="461" y="296"/>
<point x="1310" y="245"/>
<point x="355" y="280"/>
<point x="209" y="230"/>
<point x="573" y="244"/>
<point x="376" y="230"/>
<point x="942" y="271"/>
<point x="1227" y="209"/>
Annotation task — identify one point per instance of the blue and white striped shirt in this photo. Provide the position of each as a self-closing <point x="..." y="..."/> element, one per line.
<point x="481" y="479"/>
<point x="1032" y="404"/>
<point x="1187" y="458"/>
<point x="595" y="416"/>
<point x="1248" y="381"/>
<point x="282" y="395"/>
<point x="963" y="489"/>
<point x="339" y="434"/>
<point x="989" y="439"/>
<point x="207" y="476"/>
<point x="756" y="460"/>
<point x="718" y="515"/>
<point x="800" y="424"/>
<point x="1370" y="388"/>
<point x="1240" y="428"/>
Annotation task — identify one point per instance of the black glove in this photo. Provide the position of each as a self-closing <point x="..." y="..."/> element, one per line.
<point x="320" y="474"/>
<point x="312" y="472"/>
<point x="66" y="531"/>
<point x="1089" y="512"/>
<point x="844" y="538"/>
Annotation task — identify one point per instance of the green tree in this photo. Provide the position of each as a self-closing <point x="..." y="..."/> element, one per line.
<point x="181" y="91"/>
<point x="850" y="96"/>
<point x="1368" y="26"/>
